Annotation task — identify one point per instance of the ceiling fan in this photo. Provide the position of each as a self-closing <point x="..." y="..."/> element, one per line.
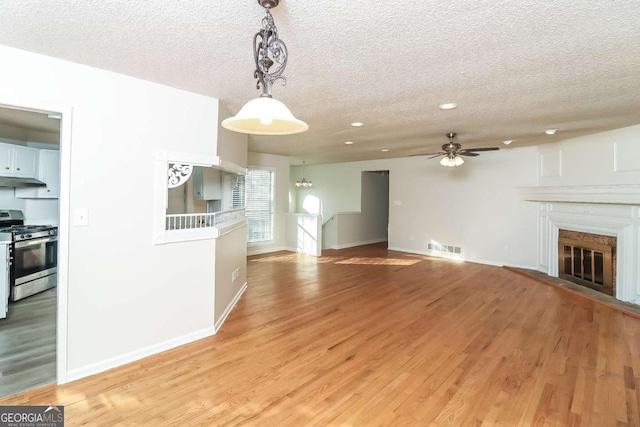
<point x="452" y="152"/>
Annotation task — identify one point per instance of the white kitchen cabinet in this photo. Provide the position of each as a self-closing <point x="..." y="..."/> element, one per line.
<point x="206" y="183"/>
<point x="16" y="160"/>
<point x="49" y="173"/>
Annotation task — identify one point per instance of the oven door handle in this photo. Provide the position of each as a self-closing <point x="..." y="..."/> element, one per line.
<point x="35" y="242"/>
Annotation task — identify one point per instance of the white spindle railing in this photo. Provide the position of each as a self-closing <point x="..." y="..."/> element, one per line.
<point x="203" y="220"/>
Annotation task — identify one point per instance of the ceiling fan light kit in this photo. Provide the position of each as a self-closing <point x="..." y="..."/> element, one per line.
<point x="452" y="152"/>
<point x="452" y="161"/>
<point x="265" y="115"/>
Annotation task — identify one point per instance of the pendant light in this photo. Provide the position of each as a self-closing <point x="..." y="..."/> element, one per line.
<point x="265" y="115"/>
<point x="305" y="183"/>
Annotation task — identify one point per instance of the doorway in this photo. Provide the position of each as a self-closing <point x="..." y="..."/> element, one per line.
<point x="32" y="329"/>
<point x="375" y="204"/>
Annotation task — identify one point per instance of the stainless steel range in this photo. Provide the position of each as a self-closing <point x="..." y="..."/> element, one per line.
<point x="33" y="255"/>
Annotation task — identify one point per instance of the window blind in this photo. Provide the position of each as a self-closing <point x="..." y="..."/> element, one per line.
<point x="259" y="204"/>
<point x="238" y="193"/>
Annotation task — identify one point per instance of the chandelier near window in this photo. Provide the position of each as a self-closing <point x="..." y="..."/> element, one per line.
<point x="265" y="115"/>
<point x="303" y="182"/>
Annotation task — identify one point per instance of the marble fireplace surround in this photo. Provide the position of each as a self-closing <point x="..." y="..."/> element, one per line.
<point x="611" y="210"/>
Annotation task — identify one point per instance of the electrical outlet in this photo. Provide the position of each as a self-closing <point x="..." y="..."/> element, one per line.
<point x="234" y="275"/>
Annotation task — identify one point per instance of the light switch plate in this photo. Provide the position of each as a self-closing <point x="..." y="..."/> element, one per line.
<point x="80" y="217"/>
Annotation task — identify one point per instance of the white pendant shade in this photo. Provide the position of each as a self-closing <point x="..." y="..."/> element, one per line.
<point x="265" y="116"/>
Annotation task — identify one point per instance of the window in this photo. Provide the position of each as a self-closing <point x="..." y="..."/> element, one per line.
<point x="237" y="193"/>
<point x="259" y="189"/>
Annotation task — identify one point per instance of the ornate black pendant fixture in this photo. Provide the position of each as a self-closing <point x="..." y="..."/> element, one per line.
<point x="266" y="115"/>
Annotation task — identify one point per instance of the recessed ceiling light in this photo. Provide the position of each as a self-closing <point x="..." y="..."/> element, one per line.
<point x="551" y="131"/>
<point x="385" y="150"/>
<point x="447" y="106"/>
<point x="507" y="141"/>
<point x="357" y="124"/>
<point x="348" y="142"/>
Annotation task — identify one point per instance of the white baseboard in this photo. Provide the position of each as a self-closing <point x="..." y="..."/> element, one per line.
<point x="114" y="362"/>
<point x="354" y="244"/>
<point x="438" y="254"/>
<point x="427" y="253"/>
<point x="265" y="250"/>
<point x="526" y="267"/>
<point x="227" y="310"/>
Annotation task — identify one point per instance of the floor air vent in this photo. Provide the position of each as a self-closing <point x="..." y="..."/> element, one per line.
<point x="445" y="248"/>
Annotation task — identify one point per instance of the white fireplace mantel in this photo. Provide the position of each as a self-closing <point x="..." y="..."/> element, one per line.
<point x="611" y="210"/>
<point x="623" y="194"/>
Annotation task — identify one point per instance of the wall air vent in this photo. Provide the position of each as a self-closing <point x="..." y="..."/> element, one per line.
<point x="437" y="247"/>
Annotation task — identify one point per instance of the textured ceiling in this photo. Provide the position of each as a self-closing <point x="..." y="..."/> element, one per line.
<point x="515" y="68"/>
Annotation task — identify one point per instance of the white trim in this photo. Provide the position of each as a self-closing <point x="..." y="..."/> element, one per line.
<point x="437" y="254"/>
<point x="114" y="362"/>
<point x="227" y="228"/>
<point x="226" y="312"/>
<point x="354" y="244"/>
<point x="265" y="250"/>
<point x="619" y="221"/>
<point x="64" y="223"/>
<point x="228" y="166"/>
<point x="63" y="226"/>
<point x="623" y="194"/>
<point x="456" y="257"/>
<point x="162" y="158"/>
<point x="204" y="233"/>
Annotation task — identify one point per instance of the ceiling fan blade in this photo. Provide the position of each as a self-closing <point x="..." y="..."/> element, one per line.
<point x="429" y="154"/>
<point x="465" y="153"/>
<point x="482" y="149"/>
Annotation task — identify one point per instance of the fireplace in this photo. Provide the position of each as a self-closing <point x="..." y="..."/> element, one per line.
<point x="588" y="259"/>
<point x="607" y="211"/>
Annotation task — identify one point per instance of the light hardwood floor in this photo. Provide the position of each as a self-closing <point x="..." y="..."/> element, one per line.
<point x="28" y="343"/>
<point x="366" y="336"/>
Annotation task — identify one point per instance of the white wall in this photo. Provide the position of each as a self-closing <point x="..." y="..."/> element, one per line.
<point x="604" y="158"/>
<point x="232" y="146"/>
<point x="126" y="297"/>
<point x="231" y="248"/>
<point x="281" y="166"/>
<point x="365" y="216"/>
<point x="607" y="159"/>
<point x="231" y="254"/>
<point x="474" y="206"/>
<point x="304" y="233"/>
<point x="336" y="185"/>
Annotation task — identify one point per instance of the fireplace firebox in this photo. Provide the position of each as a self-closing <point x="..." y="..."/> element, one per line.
<point x="588" y="260"/>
